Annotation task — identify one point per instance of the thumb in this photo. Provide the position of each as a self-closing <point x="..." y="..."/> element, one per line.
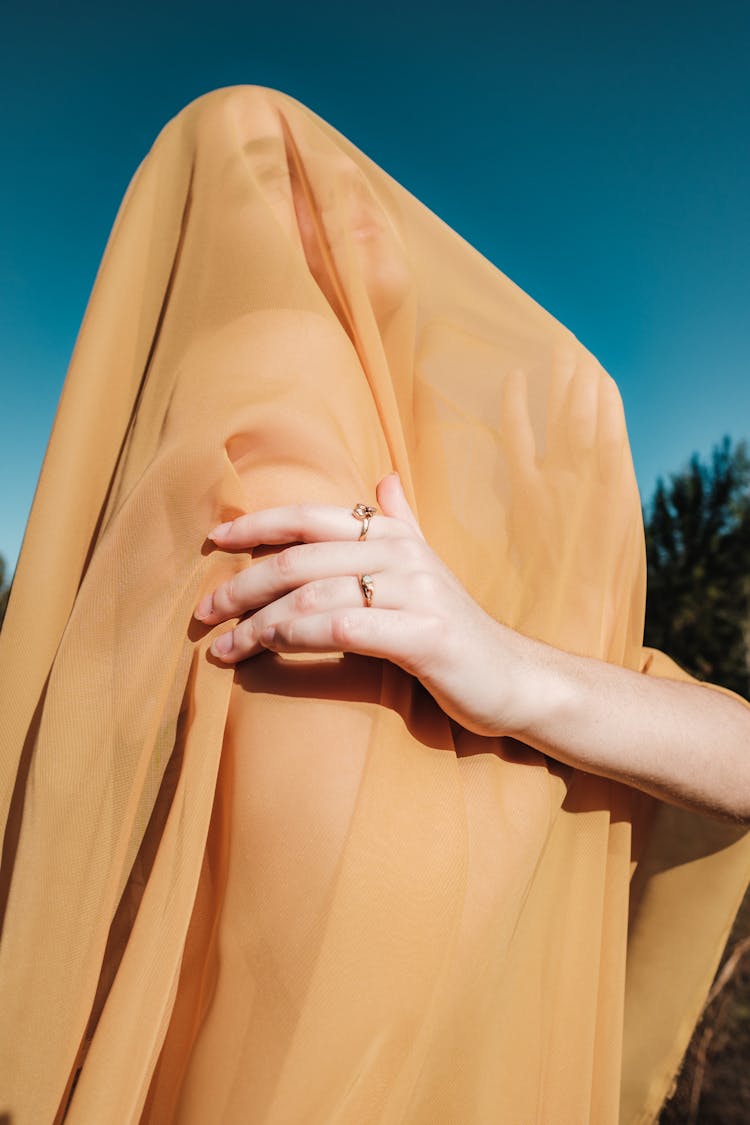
<point x="392" y="501"/>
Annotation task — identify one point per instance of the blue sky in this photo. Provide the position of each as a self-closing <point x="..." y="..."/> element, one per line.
<point x="596" y="153"/>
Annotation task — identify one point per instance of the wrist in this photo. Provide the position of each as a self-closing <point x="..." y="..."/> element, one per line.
<point x="542" y="689"/>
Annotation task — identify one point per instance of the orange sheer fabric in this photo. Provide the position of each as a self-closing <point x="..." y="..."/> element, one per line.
<point x="297" y="892"/>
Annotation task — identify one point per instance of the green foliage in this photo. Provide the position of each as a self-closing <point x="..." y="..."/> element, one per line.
<point x="698" y="611"/>
<point x="698" y="552"/>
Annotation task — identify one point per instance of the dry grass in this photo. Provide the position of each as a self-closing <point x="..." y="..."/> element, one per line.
<point x="713" y="1086"/>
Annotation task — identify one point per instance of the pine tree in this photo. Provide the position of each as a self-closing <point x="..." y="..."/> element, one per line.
<point x="698" y="553"/>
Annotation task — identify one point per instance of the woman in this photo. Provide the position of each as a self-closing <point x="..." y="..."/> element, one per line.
<point x="388" y="857"/>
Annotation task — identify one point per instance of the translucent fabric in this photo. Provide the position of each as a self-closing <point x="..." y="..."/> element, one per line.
<point x="296" y="893"/>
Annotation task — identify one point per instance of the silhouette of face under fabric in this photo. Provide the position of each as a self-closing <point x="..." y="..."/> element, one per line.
<point x="322" y="200"/>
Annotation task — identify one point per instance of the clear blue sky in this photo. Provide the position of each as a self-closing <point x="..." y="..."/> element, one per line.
<point x="597" y="153"/>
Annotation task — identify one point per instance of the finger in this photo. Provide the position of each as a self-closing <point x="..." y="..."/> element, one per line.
<point x="581" y="412"/>
<point x="516" y="427"/>
<point x="612" y="444"/>
<point x="320" y="597"/>
<point x="396" y="635"/>
<point x="392" y="500"/>
<point x="563" y="368"/>
<point x="302" y="523"/>
<point x="272" y="577"/>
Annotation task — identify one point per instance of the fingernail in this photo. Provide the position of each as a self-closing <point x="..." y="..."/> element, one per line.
<point x="205" y="607"/>
<point x="220" y="529"/>
<point x="223" y="644"/>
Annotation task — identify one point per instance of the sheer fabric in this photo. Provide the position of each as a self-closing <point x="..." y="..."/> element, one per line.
<point x="297" y="892"/>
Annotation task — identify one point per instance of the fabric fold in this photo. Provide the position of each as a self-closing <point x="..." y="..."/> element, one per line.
<point x="295" y="891"/>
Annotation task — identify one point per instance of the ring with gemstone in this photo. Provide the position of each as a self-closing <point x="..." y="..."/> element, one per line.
<point x="367" y="586"/>
<point x="364" y="513"/>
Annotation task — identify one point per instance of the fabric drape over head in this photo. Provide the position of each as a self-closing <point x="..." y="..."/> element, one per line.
<point x="295" y="892"/>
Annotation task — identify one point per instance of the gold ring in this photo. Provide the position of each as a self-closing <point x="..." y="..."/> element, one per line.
<point x="368" y="587"/>
<point x="364" y="513"/>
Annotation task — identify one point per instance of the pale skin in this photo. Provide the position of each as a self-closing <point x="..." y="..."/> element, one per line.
<point x="682" y="742"/>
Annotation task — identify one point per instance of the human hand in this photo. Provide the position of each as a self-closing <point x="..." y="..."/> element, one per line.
<point x="307" y="598"/>
<point x="573" y="523"/>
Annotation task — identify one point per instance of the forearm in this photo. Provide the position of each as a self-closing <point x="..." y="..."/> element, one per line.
<point x="681" y="742"/>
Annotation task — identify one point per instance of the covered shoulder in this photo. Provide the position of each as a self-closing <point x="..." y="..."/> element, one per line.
<point x="654" y="662"/>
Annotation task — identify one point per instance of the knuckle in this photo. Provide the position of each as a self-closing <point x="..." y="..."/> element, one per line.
<point x="284" y="632"/>
<point x="306" y="598"/>
<point x="425" y="585"/>
<point x="403" y="529"/>
<point x="287" y="632"/>
<point x="244" y="634"/>
<point x="300" y="516"/>
<point x="342" y="630"/>
<point x="410" y="551"/>
<point x="286" y="561"/>
<point x="225" y="598"/>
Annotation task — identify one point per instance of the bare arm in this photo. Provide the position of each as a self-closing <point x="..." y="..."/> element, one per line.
<point x="681" y="742"/>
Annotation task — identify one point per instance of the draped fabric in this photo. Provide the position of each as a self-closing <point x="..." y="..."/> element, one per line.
<point x="296" y="891"/>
